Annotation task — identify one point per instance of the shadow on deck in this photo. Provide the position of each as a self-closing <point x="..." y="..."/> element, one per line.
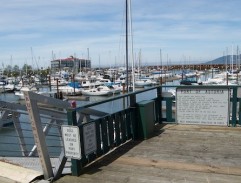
<point x="177" y="153"/>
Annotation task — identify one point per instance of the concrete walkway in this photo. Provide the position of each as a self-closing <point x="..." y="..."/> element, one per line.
<point x="10" y="173"/>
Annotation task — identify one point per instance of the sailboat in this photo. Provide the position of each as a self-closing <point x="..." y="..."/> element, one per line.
<point x="141" y="82"/>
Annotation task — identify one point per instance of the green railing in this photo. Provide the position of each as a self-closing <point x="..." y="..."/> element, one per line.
<point x="115" y="129"/>
<point x="112" y="129"/>
<point x="235" y="103"/>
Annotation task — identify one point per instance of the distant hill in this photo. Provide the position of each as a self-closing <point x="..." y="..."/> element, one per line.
<point x="224" y="60"/>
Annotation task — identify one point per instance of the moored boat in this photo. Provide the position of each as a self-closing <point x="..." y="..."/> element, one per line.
<point x="20" y="93"/>
<point x="97" y="91"/>
<point x="143" y="82"/>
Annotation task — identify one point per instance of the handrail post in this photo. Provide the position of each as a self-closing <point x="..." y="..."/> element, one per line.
<point x="239" y="113"/>
<point x="134" y="117"/>
<point x="158" y="105"/>
<point x="234" y="106"/>
<point x="76" y="165"/>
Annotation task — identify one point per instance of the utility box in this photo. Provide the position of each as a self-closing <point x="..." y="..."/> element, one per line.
<point x="146" y="119"/>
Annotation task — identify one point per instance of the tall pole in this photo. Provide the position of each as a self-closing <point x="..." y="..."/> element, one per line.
<point x="161" y="66"/>
<point x="127" y="75"/>
<point x="223" y="57"/>
<point x="99" y="62"/>
<point x="161" y="58"/>
<point x="237" y="60"/>
<point x="226" y="60"/>
<point x="232" y="61"/>
<point x="88" y="55"/>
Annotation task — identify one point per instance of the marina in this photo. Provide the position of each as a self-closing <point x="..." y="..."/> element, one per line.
<point x="103" y="111"/>
<point x="158" y="105"/>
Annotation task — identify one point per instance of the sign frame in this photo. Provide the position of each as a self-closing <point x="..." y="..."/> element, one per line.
<point x="71" y="141"/>
<point x="203" y="106"/>
<point x="90" y="142"/>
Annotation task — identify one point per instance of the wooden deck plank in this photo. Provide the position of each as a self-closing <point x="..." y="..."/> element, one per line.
<point x="159" y="174"/>
<point x="177" y="153"/>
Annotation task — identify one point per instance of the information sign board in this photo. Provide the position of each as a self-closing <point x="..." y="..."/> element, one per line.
<point x="89" y="133"/>
<point x="71" y="138"/>
<point x="202" y="106"/>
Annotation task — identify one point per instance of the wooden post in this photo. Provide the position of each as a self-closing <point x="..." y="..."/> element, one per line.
<point x="158" y="105"/>
<point x="49" y="78"/>
<point x="169" y="110"/>
<point x="123" y="88"/>
<point x="237" y="77"/>
<point x="134" y="117"/>
<point x="227" y="78"/>
<point x="74" y="82"/>
<point x="57" y="85"/>
<point x="234" y="106"/>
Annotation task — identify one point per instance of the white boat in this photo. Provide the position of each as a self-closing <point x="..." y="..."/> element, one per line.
<point x="59" y="81"/>
<point x="79" y="77"/>
<point x="51" y="94"/>
<point x="117" y="88"/>
<point x="89" y="82"/>
<point x="114" y="89"/>
<point x="103" y="81"/>
<point x="69" y="90"/>
<point x="213" y="81"/>
<point x="143" y="82"/>
<point x="9" y="88"/>
<point x="169" y="93"/>
<point x="232" y="76"/>
<point x="214" y="70"/>
<point x="97" y="91"/>
<point x="190" y="74"/>
<point x="20" y="93"/>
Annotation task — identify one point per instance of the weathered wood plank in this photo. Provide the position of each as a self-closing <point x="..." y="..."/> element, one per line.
<point x="178" y="153"/>
<point x="179" y="165"/>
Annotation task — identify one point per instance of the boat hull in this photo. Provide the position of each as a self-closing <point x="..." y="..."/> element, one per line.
<point x="95" y="93"/>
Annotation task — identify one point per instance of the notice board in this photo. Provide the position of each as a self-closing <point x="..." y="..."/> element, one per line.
<point x="202" y="106"/>
<point x="90" y="142"/>
<point x="71" y="139"/>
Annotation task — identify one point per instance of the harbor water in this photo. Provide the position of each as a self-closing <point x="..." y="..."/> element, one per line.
<point x="9" y="145"/>
<point x="9" y="142"/>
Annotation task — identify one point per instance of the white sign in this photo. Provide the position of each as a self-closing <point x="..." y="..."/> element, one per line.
<point x="71" y="138"/>
<point x="89" y="132"/>
<point x="202" y="106"/>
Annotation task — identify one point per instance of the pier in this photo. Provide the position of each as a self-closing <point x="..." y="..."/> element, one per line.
<point x="137" y="140"/>
<point x="175" y="153"/>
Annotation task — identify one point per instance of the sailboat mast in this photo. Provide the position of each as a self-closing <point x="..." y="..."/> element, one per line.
<point x="227" y="60"/>
<point x="127" y="76"/>
<point x="237" y="60"/>
<point x="161" y="58"/>
<point x="232" y="61"/>
<point x="161" y="66"/>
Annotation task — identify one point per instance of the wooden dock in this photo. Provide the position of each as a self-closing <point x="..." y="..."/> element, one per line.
<point x="176" y="154"/>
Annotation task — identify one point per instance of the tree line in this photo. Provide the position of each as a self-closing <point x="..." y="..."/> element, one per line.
<point x="26" y="70"/>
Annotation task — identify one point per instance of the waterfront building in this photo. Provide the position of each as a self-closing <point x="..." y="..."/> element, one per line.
<point x="70" y="64"/>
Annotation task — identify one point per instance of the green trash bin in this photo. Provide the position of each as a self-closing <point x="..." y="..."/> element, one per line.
<point x="146" y="118"/>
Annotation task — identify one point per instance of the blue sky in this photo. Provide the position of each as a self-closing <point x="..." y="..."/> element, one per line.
<point x="195" y="30"/>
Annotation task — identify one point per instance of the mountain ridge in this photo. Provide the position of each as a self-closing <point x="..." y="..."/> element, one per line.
<point x="225" y="60"/>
